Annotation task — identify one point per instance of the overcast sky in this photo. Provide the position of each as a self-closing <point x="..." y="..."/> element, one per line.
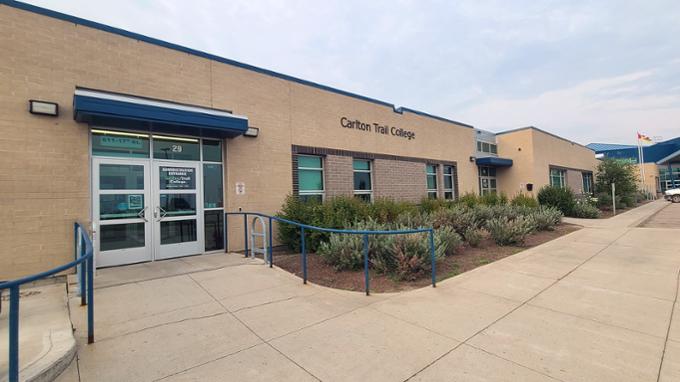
<point x="591" y="71"/>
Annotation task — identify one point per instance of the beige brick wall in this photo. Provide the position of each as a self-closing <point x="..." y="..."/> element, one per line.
<point x="400" y="180"/>
<point x="339" y="175"/>
<point x="575" y="181"/>
<point x="45" y="185"/>
<point x="533" y="153"/>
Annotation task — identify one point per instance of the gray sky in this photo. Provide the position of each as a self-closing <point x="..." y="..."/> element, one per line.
<point x="586" y="70"/>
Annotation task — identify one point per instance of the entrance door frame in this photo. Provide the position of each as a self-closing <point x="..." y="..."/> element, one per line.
<point x="149" y="163"/>
<point x="168" y="251"/>
<point x="127" y="255"/>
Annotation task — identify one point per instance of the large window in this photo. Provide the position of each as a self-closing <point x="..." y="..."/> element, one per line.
<point x="448" y="182"/>
<point x="310" y="177"/>
<point x="363" y="188"/>
<point x="431" y="171"/>
<point x="486" y="147"/>
<point x="587" y="182"/>
<point x="487" y="180"/>
<point x="558" y="178"/>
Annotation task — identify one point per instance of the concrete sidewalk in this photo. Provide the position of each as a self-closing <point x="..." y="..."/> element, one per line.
<point x="595" y="305"/>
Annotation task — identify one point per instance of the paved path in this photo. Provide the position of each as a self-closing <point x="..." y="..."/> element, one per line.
<point x="668" y="217"/>
<point x="595" y="305"/>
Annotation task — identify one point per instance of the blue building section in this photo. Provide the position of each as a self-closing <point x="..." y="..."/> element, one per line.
<point x="652" y="154"/>
<point x="665" y="154"/>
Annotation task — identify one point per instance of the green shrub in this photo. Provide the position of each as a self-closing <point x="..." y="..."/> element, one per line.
<point x="469" y="199"/>
<point x="428" y="205"/>
<point x="411" y="255"/>
<point x="546" y="218"/>
<point x="560" y="198"/>
<point x="296" y="210"/>
<point x="628" y="200"/>
<point x="604" y="201"/>
<point x="493" y="199"/>
<point x="585" y="211"/>
<point x="506" y="232"/>
<point x="473" y="236"/>
<point x="446" y="241"/>
<point x="524" y="200"/>
<point x="342" y="251"/>
<point x="413" y="219"/>
<point x="384" y="210"/>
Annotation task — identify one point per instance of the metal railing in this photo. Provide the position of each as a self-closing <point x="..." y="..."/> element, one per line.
<point x="303" y="249"/>
<point x="85" y="260"/>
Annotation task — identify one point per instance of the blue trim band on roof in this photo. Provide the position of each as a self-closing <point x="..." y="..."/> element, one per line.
<point x="169" y="45"/>
<point x="117" y="113"/>
<point x="493" y="161"/>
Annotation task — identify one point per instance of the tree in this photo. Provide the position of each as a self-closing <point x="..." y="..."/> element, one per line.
<point x="620" y="172"/>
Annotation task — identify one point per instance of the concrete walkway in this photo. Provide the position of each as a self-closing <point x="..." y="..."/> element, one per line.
<point x="595" y="305"/>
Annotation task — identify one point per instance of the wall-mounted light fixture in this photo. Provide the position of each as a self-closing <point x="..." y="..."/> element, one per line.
<point x="43" y="108"/>
<point x="252" y="132"/>
<point x="472" y="159"/>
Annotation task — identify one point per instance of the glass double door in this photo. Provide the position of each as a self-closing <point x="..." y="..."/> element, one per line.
<point x="146" y="210"/>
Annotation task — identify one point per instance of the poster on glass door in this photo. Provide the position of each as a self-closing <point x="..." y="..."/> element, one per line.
<point x="177" y="178"/>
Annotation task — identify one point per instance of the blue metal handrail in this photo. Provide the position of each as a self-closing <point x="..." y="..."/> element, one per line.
<point x="84" y="259"/>
<point x="303" y="250"/>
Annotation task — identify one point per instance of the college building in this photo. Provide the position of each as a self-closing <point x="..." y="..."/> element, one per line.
<point x="660" y="170"/>
<point x="149" y="143"/>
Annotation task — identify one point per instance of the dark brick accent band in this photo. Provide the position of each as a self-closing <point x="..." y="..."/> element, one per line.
<point x="363" y="155"/>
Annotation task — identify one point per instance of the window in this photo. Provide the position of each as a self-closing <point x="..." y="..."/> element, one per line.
<point x="310" y="177"/>
<point x="363" y="188"/>
<point x="119" y="144"/>
<point x="558" y="178"/>
<point x="487" y="180"/>
<point x="175" y="148"/>
<point x="448" y="182"/>
<point x="587" y="182"/>
<point x="212" y="151"/>
<point x="486" y="147"/>
<point x="213" y="189"/>
<point x="431" y="171"/>
<point x="214" y="230"/>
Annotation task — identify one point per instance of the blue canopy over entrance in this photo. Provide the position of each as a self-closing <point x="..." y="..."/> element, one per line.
<point x="137" y="113"/>
<point x="493" y="162"/>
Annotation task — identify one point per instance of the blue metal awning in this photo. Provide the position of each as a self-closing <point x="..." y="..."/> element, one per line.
<point x="135" y="113"/>
<point x="493" y="161"/>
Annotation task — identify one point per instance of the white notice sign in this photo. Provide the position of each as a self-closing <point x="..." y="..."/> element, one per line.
<point x="240" y="188"/>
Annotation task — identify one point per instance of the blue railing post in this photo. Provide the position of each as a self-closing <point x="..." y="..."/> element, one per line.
<point x="433" y="259"/>
<point x="14" y="333"/>
<point x="245" y="232"/>
<point x="271" y="242"/>
<point x="83" y="271"/>
<point x="90" y="298"/>
<point x="303" y="250"/>
<point x="366" y="278"/>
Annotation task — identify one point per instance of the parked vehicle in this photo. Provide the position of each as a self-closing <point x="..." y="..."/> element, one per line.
<point x="673" y="195"/>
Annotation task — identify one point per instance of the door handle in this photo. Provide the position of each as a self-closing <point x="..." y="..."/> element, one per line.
<point x="162" y="213"/>
<point x="142" y="214"/>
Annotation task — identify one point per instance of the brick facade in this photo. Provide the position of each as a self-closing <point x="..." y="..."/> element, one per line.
<point x="339" y="175"/>
<point x="393" y="177"/>
<point x="398" y="179"/>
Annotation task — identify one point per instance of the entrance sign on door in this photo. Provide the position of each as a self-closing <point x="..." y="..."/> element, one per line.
<point x="177" y="178"/>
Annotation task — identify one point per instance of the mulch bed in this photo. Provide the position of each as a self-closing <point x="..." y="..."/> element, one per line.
<point x="466" y="259"/>
<point x="606" y="214"/>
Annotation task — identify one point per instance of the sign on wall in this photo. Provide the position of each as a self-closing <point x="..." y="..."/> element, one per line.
<point x="177" y="178"/>
<point x="377" y="128"/>
<point x="240" y="188"/>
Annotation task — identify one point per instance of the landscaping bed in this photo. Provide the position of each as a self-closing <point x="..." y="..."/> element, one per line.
<point x="467" y="258"/>
<point x="466" y="233"/>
